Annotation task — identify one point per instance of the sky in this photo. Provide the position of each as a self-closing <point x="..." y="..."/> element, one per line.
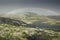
<point x="9" y="5"/>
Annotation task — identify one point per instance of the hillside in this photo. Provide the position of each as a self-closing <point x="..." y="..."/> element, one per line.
<point x="28" y="26"/>
<point x="10" y="32"/>
<point x="33" y="19"/>
<point x="10" y="21"/>
<point x="54" y="17"/>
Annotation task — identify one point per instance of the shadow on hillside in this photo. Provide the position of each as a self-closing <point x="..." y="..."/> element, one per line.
<point x="21" y="23"/>
<point x="35" y="38"/>
<point x="11" y="21"/>
<point x="43" y="25"/>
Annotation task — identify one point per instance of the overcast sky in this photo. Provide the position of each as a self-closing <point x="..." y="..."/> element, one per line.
<point x="8" y="5"/>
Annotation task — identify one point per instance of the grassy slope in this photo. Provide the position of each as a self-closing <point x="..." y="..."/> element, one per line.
<point x="22" y="33"/>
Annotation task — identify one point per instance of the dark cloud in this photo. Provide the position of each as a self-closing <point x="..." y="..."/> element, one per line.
<point x="12" y="4"/>
<point x="30" y="1"/>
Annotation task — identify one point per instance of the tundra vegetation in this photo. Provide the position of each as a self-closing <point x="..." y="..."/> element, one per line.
<point x="10" y="32"/>
<point x="29" y="26"/>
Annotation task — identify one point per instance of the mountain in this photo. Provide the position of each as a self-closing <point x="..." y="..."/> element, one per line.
<point x="34" y="20"/>
<point x="29" y="26"/>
